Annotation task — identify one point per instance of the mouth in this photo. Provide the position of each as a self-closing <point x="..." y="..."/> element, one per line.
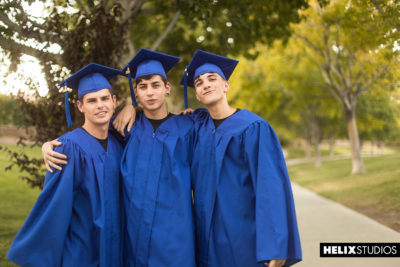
<point x="101" y="114"/>
<point x="151" y="101"/>
<point x="208" y="92"/>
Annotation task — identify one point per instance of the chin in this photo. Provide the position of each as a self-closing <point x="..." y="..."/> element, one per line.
<point x="209" y="102"/>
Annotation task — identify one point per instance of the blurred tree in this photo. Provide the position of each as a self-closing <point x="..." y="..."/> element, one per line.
<point x="75" y="33"/>
<point x="353" y="45"/>
<point x="378" y="118"/>
<point x="284" y="86"/>
<point x="10" y="114"/>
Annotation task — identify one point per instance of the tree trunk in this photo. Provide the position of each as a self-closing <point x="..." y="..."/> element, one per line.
<point x="331" y="147"/>
<point x="358" y="164"/>
<point x="317" y="163"/>
<point x="307" y="148"/>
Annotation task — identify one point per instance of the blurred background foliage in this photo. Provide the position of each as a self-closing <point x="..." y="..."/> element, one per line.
<point x="317" y="71"/>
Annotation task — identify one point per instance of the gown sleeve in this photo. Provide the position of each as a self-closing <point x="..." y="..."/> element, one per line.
<point x="276" y="225"/>
<point x="40" y="241"/>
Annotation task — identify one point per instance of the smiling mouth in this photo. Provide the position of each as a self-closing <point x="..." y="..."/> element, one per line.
<point x="101" y="113"/>
<point x="208" y="92"/>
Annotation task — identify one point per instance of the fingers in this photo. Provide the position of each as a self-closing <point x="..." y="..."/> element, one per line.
<point x="54" y="166"/>
<point x="275" y="263"/>
<point x="55" y="160"/>
<point x="48" y="167"/>
<point x="57" y="156"/>
<point x="120" y="129"/>
<point x="119" y="125"/>
<point x="55" y="142"/>
<point x="186" y="111"/>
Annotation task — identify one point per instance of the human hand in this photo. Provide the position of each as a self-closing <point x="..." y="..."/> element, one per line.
<point x="125" y="118"/>
<point x="51" y="158"/>
<point x="275" y="263"/>
<point x="186" y="111"/>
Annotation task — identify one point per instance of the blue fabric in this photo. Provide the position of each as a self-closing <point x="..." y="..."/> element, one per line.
<point x="207" y="67"/>
<point x="67" y="113"/>
<point x="91" y="78"/>
<point x="150" y="67"/>
<point x="155" y="167"/>
<point x="76" y="220"/>
<point x="74" y="80"/>
<point x="92" y="83"/>
<point x="214" y="63"/>
<point x="244" y="208"/>
<point x="148" y="62"/>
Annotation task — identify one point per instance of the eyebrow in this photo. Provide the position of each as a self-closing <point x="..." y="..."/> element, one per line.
<point x="209" y="75"/>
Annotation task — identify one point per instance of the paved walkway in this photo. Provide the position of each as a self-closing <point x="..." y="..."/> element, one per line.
<point x="322" y="220"/>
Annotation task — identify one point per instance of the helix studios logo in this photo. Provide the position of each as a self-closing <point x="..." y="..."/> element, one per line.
<point x="359" y="250"/>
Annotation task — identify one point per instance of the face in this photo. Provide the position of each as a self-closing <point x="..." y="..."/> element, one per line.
<point x="152" y="93"/>
<point x="210" y="88"/>
<point x="98" y="107"/>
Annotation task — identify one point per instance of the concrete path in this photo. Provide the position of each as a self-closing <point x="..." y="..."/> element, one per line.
<point x="322" y="220"/>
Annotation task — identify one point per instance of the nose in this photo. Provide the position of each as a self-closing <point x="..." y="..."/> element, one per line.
<point x="149" y="91"/>
<point x="206" y="85"/>
<point x="100" y="104"/>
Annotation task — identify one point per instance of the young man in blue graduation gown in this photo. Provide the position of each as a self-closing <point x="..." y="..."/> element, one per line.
<point x="76" y="220"/>
<point x="156" y="171"/>
<point x="244" y="208"/>
<point x="155" y="167"/>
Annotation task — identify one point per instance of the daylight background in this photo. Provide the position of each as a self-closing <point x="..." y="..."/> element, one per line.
<point x="324" y="74"/>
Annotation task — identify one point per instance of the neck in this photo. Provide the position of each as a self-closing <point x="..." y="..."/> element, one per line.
<point x="158" y="114"/>
<point x="220" y="110"/>
<point x="98" y="131"/>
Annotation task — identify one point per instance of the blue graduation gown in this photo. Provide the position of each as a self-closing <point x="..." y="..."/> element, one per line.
<point x="244" y="208"/>
<point x="76" y="220"/>
<point x="155" y="169"/>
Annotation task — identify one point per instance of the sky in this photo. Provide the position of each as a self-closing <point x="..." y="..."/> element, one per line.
<point x="11" y="83"/>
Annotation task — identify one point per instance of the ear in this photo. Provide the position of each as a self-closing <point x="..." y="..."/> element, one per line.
<point x="79" y="104"/>
<point x="226" y="86"/>
<point x="135" y="90"/>
<point x="114" y="100"/>
<point x="168" y="88"/>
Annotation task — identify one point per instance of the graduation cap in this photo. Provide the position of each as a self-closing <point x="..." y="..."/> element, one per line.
<point x="89" y="79"/>
<point x="148" y="62"/>
<point x="203" y="62"/>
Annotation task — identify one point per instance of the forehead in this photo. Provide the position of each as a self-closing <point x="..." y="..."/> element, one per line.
<point x="207" y="74"/>
<point x="153" y="79"/>
<point x="100" y="93"/>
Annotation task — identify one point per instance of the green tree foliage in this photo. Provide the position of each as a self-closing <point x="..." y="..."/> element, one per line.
<point x="285" y="87"/>
<point x="378" y="118"/>
<point x="110" y="32"/>
<point x="10" y="114"/>
<point x="353" y="45"/>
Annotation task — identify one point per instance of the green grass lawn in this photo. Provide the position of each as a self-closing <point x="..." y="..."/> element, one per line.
<point x="376" y="193"/>
<point x="16" y="201"/>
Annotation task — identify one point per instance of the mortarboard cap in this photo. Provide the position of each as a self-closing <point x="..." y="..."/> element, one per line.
<point x="148" y="62"/>
<point x="203" y="62"/>
<point x="89" y="79"/>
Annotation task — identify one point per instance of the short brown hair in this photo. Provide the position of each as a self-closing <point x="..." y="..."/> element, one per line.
<point x="148" y="77"/>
